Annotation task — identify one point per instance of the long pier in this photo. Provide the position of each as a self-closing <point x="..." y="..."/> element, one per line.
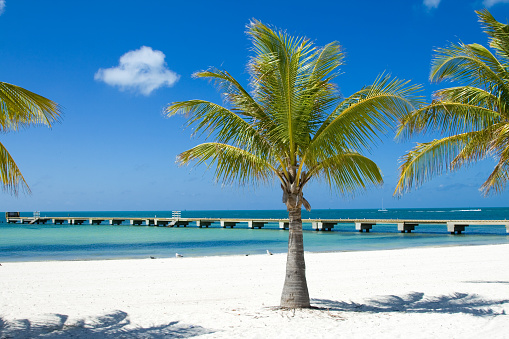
<point x="361" y="225"/>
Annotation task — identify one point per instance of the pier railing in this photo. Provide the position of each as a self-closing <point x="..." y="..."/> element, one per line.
<point x="361" y="225"/>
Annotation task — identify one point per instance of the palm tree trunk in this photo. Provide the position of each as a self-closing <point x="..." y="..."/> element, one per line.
<point x="295" y="290"/>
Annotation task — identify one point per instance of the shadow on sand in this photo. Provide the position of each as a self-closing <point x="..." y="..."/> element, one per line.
<point x="488" y="282"/>
<point x="114" y="325"/>
<point x="416" y="302"/>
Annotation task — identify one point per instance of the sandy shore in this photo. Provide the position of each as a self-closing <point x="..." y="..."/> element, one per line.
<point x="448" y="292"/>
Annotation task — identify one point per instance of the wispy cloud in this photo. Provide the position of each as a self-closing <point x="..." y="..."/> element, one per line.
<point x="489" y="3"/>
<point x="455" y="186"/>
<point x="2" y="6"/>
<point x="432" y="3"/>
<point x="143" y="70"/>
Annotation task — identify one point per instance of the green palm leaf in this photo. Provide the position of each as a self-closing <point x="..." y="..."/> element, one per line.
<point x="360" y="118"/>
<point x="225" y="125"/>
<point x="497" y="181"/>
<point x="231" y="163"/>
<point x="20" y="108"/>
<point x="473" y="64"/>
<point x="448" y="118"/>
<point x="241" y="101"/>
<point x="12" y="179"/>
<point x="426" y="160"/>
<point x="348" y="172"/>
<point x="497" y="32"/>
<point x="474" y="117"/>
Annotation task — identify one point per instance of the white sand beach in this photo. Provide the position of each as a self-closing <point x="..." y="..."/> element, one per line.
<point x="447" y="292"/>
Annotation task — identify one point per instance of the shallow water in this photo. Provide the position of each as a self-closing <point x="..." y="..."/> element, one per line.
<point x="87" y="242"/>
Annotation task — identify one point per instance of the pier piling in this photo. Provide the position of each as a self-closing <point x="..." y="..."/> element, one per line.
<point x="361" y="225"/>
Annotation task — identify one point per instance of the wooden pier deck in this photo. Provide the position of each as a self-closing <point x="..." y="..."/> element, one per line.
<point x="361" y="225"/>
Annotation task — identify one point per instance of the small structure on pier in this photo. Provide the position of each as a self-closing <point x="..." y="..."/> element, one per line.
<point x="364" y="226"/>
<point x="323" y="226"/>
<point x="361" y="225"/>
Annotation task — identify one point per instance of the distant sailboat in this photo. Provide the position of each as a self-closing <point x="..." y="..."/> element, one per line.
<point x="382" y="209"/>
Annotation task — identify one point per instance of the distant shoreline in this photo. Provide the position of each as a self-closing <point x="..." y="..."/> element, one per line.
<point x="246" y="255"/>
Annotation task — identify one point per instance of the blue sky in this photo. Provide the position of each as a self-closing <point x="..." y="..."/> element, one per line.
<point x="114" y="150"/>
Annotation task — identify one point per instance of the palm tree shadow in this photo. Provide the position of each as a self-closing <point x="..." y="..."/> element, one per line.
<point x="416" y="302"/>
<point x="113" y="325"/>
<point x="488" y="282"/>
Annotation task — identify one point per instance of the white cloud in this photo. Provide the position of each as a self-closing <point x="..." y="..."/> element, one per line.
<point x="489" y="3"/>
<point x="142" y="70"/>
<point x="2" y="6"/>
<point x="431" y="3"/>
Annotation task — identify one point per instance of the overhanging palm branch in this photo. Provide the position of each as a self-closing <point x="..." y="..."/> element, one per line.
<point x="472" y="117"/>
<point x="12" y="179"/>
<point x="439" y="156"/>
<point x="347" y="172"/>
<point x="497" y="32"/>
<point x="448" y="117"/>
<point x="20" y="108"/>
<point x="231" y="163"/>
<point x="497" y="180"/>
<point x="473" y="64"/>
<point x="360" y="118"/>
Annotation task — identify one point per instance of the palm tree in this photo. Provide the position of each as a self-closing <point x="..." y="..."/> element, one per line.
<point x="474" y="118"/>
<point x="293" y="126"/>
<point x="20" y="108"/>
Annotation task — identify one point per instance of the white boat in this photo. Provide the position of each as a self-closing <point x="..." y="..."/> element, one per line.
<point x="382" y="209"/>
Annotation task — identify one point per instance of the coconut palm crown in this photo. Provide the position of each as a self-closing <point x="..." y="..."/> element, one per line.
<point x="293" y="126"/>
<point x="474" y="118"/>
<point x="20" y="108"/>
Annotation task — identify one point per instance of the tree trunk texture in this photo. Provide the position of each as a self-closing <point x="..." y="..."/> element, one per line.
<point x="295" y="290"/>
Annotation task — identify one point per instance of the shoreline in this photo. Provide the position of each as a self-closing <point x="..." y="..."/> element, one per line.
<point x="423" y="292"/>
<point x="21" y="243"/>
<point x="253" y="254"/>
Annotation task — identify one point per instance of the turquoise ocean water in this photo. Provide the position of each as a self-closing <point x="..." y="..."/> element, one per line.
<point x="87" y="242"/>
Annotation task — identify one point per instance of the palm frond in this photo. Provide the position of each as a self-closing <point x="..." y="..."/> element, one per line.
<point x="500" y="139"/>
<point x="326" y="63"/>
<point x="225" y="125"/>
<point x="231" y="163"/>
<point x="471" y="64"/>
<point x="498" y="33"/>
<point x="291" y="81"/>
<point x="348" y="172"/>
<point x="276" y="69"/>
<point x="360" y="119"/>
<point x="472" y="96"/>
<point x="427" y="160"/>
<point x="478" y="146"/>
<point x="21" y="108"/>
<point x="497" y="181"/>
<point x="10" y="175"/>
<point x="241" y="101"/>
<point x="447" y="117"/>
<point x="475" y="116"/>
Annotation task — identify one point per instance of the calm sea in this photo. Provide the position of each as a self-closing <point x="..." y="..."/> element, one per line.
<point x="86" y="242"/>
